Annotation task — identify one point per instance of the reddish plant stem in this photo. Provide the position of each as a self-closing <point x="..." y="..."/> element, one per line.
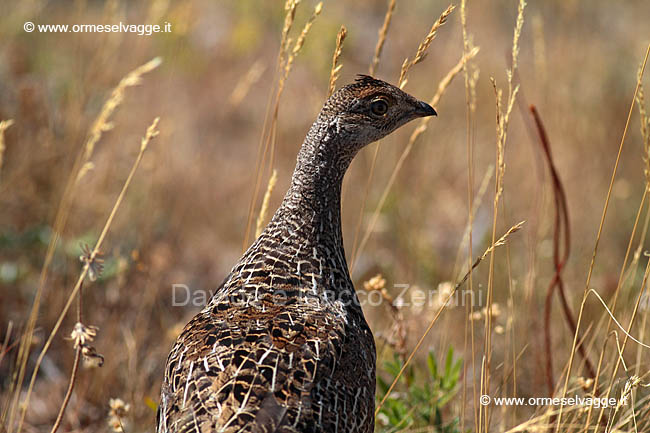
<point x="561" y="251"/>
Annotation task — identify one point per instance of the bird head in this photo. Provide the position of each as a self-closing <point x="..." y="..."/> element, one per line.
<point x="369" y="109"/>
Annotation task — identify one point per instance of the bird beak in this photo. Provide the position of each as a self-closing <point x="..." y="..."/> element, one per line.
<point x="423" y="109"/>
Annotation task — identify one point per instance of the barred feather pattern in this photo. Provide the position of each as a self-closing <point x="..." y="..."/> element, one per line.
<point x="283" y="345"/>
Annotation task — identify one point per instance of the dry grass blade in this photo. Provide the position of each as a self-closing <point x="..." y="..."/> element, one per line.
<point x="101" y="124"/>
<point x="467" y="241"/>
<point x="265" y="203"/>
<point x="266" y="146"/>
<point x="150" y="134"/>
<point x="271" y="113"/>
<point x="502" y="122"/>
<point x="598" y="235"/>
<point x="290" y="8"/>
<point x="632" y="268"/>
<point x="476" y="204"/>
<point x="336" y="68"/>
<point x="244" y="85"/>
<point x="611" y="315"/>
<point x="502" y="241"/>
<point x="3" y="127"/>
<point x="381" y="38"/>
<point x="301" y="40"/>
<point x="68" y="394"/>
<point x="424" y="46"/>
<point x="645" y="128"/>
<point x="619" y="358"/>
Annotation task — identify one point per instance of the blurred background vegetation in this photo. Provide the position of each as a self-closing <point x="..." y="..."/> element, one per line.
<point x="183" y="219"/>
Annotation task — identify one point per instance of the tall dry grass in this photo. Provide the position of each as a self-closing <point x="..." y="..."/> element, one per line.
<point x="418" y="207"/>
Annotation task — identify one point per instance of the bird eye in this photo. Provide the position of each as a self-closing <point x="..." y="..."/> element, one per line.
<point x="379" y="107"/>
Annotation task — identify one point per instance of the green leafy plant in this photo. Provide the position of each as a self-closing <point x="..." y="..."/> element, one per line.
<point x="423" y="395"/>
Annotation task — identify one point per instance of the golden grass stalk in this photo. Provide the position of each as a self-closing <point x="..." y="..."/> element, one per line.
<point x="470" y="99"/>
<point x="645" y="129"/>
<point x="286" y="58"/>
<point x="290" y="8"/>
<point x="442" y="87"/>
<point x="626" y="332"/>
<point x="471" y="77"/>
<point x="502" y="241"/>
<point x="271" y="113"/>
<point x="152" y="132"/>
<point x="336" y="68"/>
<point x="381" y="37"/>
<point x="631" y="270"/>
<point x="424" y="46"/>
<point x="476" y="204"/>
<point x="101" y="124"/>
<point x="595" y="251"/>
<point x="265" y="203"/>
<point x="244" y="85"/>
<point x="301" y="40"/>
<point x="3" y="127"/>
<point x="502" y="121"/>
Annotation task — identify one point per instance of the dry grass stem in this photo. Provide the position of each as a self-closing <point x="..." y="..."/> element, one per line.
<point x="598" y="235"/>
<point x="476" y="204"/>
<point x="502" y="241"/>
<point x="265" y="203"/>
<point x="502" y="121"/>
<point x="619" y="358"/>
<point x="150" y="134"/>
<point x="381" y="37"/>
<point x="301" y="40"/>
<point x="424" y="46"/>
<point x="4" y="124"/>
<point x="336" y="68"/>
<point x="266" y="146"/>
<point x="244" y="85"/>
<point x="270" y="117"/>
<point x="101" y="124"/>
<point x="644" y="127"/>
<point x="290" y="8"/>
<point x="611" y="315"/>
<point x="621" y="283"/>
<point x="472" y="206"/>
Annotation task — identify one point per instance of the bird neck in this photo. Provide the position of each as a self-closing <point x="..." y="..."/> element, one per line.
<point x="314" y="197"/>
<point x="309" y="218"/>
